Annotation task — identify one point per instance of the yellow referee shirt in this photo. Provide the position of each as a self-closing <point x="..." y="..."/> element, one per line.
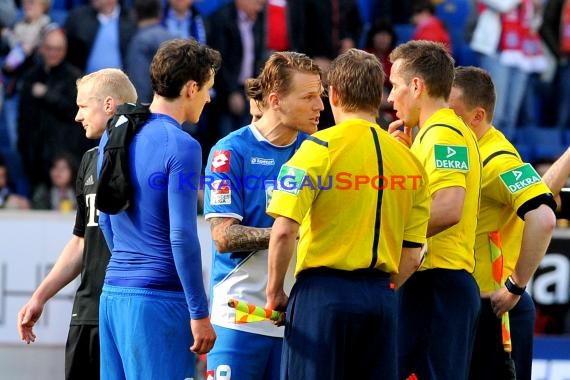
<point x="448" y="150"/>
<point x="507" y="184"/>
<point x="358" y="195"/>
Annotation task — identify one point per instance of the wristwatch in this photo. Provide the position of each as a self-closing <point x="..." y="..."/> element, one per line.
<point x="512" y="287"/>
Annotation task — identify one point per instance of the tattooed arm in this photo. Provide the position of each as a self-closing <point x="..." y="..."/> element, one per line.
<point x="230" y="236"/>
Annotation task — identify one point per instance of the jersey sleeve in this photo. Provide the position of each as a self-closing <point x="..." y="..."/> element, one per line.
<point x="513" y="182"/>
<point x="445" y="156"/>
<point x="185" y="157"/>
<point x="416" y="228"/>
<point x="223" y="187"/>
<point x="298" y="182"/>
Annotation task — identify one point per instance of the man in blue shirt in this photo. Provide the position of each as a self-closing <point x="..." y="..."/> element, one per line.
<point x="240" y="176"/>
<point x="154" y="284"/>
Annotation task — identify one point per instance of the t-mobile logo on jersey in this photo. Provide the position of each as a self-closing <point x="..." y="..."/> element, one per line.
<point x="92" y="212"/>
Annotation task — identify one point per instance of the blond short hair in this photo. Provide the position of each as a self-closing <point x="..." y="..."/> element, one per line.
<point x="110" y="82"/>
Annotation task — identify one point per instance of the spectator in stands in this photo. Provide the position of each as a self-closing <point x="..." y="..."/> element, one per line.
<point x="380" y="41"/>
<point x="277" y="33"/>
<point x="183" y="20"/>
<point x="143" y="46"/>
<point x="322" y="30"/>
<point x="22" y="40"/>
<point x="7" y="18"/>
<point x="99" y="34"/>
<point x="46" y="117"/>
<point x="555" y="31"/>
<point x="236" y="30"/>
<point x="60" y="194"/>
<point x="25" y="36"/>
<point x="7" y="13"/>
<point x="9" y="200"/>
<point x="428" y="26"/>
<point x="505" y="36"/>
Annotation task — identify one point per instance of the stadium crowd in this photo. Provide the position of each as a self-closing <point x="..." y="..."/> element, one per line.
<point x="46" y="45"/>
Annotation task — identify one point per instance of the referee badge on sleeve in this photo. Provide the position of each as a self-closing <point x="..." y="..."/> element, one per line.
<point x="520" y="178"/>
<point x="290" y="179"/>
<point x="451" y="157"/>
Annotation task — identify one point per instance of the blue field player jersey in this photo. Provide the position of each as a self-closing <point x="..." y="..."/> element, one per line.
<point x="240" y="176"/>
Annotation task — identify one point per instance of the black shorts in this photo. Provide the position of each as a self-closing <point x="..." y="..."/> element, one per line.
<point x="82" y="353"/>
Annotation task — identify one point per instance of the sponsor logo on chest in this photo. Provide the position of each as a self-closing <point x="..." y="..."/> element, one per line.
<point x="262" y="161"/>
<point x="221" y="161"/>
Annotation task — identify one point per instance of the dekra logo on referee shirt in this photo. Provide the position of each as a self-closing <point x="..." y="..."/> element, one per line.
<point x="291" y="179"/>
<point x="451" y="157"/>
<point x="520" y="178"/>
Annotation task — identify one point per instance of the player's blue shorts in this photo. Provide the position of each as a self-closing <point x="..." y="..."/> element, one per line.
<point x="488" y="353"/>
<point x="239" y="355"/>
<point x="144" y="334"/>
<point x="341" y="325"/>
<point x="439" y="309"/>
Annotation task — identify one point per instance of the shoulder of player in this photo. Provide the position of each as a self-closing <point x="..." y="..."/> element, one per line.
<point x="235" y="141"/>
<point x="181" y="151"/>
<point x="446" y="130"/>
<point x="179" y="139"/>
<point x="231" y="146"/>
<point x="317" y="140"/>
<point x="498" y="155"/>
<point x="90" y="154"/>
<point x="89" y="159"/>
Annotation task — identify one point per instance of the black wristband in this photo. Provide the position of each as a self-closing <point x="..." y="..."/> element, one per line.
<point x="514" y="288"/>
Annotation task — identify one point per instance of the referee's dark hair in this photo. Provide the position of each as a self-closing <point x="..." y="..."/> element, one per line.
<point x="477" y="89"/>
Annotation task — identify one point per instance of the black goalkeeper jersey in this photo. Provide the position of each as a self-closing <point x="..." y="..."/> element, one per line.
<point x="95" y="253"/>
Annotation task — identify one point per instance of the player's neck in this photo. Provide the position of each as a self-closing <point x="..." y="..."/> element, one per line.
<point x="341" y="117"/>
<point x="429" y="107"/>
<point x="172" y="108"/>
<point x="481" y="130"/>
<point x="275" y="132"/>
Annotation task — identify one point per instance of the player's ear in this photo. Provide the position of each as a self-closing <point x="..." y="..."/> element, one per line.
<point x="333" y="96"/>
<point x="273" y="100"/>
<point x="190" y="88"/>
<point x="417" y="86"/>
<point x="109" y="105"/>
<point x="480" y="115"/>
